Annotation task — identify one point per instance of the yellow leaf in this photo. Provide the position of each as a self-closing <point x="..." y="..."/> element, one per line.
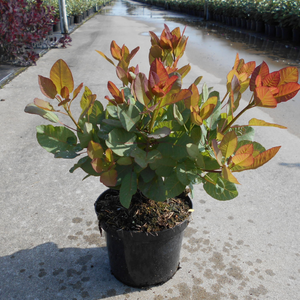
<point x="226" y="173"/>
<point x="109" y="155"/>
<point x="257" y="122"/>
<point x="217" y="152"/>
<point x="103" y="55"/>
<point x="228" y="144"/>
<point x="61" y="76"/>
<point x="94" y="150"/>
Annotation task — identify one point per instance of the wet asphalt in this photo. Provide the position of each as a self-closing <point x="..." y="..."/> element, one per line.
<point x="246" y="248"/>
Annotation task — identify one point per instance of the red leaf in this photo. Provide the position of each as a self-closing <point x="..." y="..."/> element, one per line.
<point x="287" y="91"/>
<point x="262" y="70"/>
<point x="47" y="87"/>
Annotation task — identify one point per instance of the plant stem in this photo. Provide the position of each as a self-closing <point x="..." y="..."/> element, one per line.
<point x="224" y="97"/>
<point x="238" y="115"/>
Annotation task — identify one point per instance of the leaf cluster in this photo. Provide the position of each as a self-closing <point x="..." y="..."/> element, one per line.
<point x="154" y="136"/>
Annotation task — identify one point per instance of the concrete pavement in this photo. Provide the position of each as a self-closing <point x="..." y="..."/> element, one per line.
<point x="247" y="248"/>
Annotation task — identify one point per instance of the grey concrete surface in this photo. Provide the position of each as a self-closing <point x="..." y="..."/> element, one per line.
<point x="247" y="248"/>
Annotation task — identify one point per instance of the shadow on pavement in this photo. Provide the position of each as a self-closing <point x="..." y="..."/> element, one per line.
<point x="49" y="272"/>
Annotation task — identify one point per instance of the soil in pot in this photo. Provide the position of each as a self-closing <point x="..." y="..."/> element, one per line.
<point x="143" y="241"/>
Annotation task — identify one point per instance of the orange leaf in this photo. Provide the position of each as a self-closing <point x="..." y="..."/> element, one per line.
<point x="236" y="62"/>
<point x="248" y="148"/>
<point x="61" y="76"/>
<point x="98" y="165"/>
<point x="194" y="99"/>
<point x="287" y="91"/>
<point x="243" y="160"/>
<point x="115" y="92"/>
<point x="65" y="92"/>
<point x="158" y="68"/>
<point x="43" y="104"/>
<point x="115" y="51"/>
<point x="206" y="111"/>
<point x="77" y="91"/>
<point x="133" y="53"/>
<point x="196" y="119"/>
<point x="263" y="97"/>
<point x="271" y="79"/>
<point x="226" y="173"/>
<point x="183" y="94"/>
<point x="47" y="87"/>
<point x="248" y="68"/>
<point x="264" y="157"/>
<point x="288" y="74"/>
<point x="228" y="144"/>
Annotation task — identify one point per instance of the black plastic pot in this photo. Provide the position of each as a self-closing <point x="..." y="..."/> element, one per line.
<point x="142" y="259"/>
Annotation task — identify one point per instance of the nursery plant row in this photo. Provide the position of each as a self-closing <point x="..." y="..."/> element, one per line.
<point x="26" y="24"/>
<point x="275" y="18"/>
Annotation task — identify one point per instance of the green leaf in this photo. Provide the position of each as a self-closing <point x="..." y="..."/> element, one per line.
<point x="114" y="123"/>
<point x="218" y="187"/>
<point x="244" y="133"/>
<point x="128" y="188"/>
<point x="205" y="92"/>
<point x="154" y="189"/>
<point x="124" y="161"/>
<point x="129" y="115"/>
<point x="142" y="158"/>
<point x="87" y="102"/>
<point x="112" y="110"/>
<point x="48" y="115"/>
<point x="160" y="133"/>
<point x="60" y="141"/>
<point x="85" y="164"/>
<point x="210" y="163"/>
<point x="174" y="146"/>
<point x="121" y="142"/>
<point x="87" y="135"/>
<point x="173" y="186"/>
<point x="96" y="114"/>
<point x="192" y="150"/>
<point x="186" y="172"/>
<point x="177" y="115"/>
<point x="164" y="171"/>
<point x="147" y="174"/>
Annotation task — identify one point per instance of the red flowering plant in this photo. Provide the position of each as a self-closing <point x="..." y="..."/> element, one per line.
<point x="155" y="136"/>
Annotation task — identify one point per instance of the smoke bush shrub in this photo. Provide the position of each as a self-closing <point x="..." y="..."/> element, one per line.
<point x="22" y="25"/>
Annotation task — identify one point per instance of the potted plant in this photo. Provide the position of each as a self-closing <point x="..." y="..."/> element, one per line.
<point x="155" y="139"/>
